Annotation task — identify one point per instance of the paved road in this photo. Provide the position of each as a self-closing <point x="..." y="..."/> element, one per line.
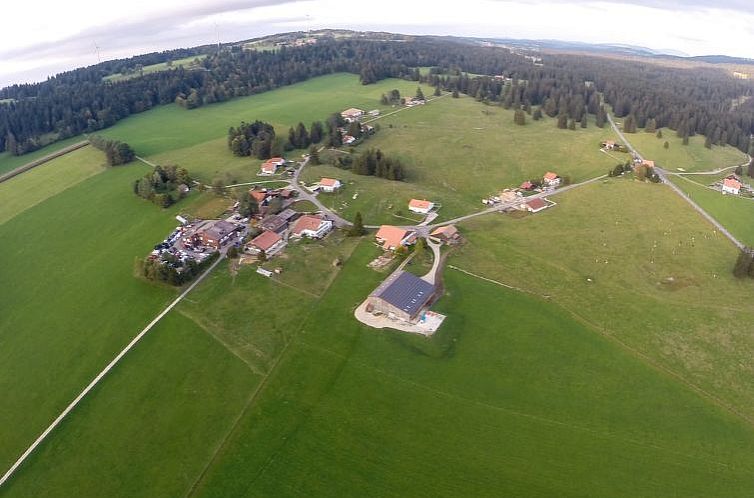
<point x="103" y="373"/>
<point x="663" y="177"/>
<point x="308" y="196"/>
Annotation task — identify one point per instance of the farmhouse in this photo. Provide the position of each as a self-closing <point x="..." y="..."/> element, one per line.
<point x="268" y="169"/>
<point x="268" y="242"/>
<point x="352" y="114"/>
<point x="216" y="234"/>
<point x="527" y="185"/>
<point x="731" y="186"/>
<point x="329" y="184"/>
<point x="448" y="234"/>
<point x="258" y="195"/>
<point x="402" y="296"/>
<point x="648" y="164"/>
<point x="274" y="223"/>
<point x="391" y="237"/>
<point x="551" y="179"/>
<point x="536" y="205"/>
<point x="314" y="227"/>
<point x="420" y="206"/>
<point x="609" y="144"/>
<point x="348" y="139"/>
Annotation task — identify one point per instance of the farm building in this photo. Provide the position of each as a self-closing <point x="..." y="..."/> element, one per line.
<point x="403" y="296"/>
<point x="259" y="196"/>
<point x="508" y="195"/>
<point x="352" y="114"/>
<point x="374" y="112"/>
<point x="731" y="186"/>
<point x="314" y="227"/>
<point x="448" y="234"/>
<point x="274" y="223"/>
<point x="527" y="185"/>
<point x="270" y="166"/>
<point x="551" y="179"/>
<point x="216" y="234"/>
<point x="536" y="205"/>
<point x="329" y="184"/>
<point x="348" y="139"/>
<point x="609" y="144"/>
<point x="391" y="238"/>
<point x="648" y="164"/>
<point x="269" y="242"/>
<point x="420" y="206"/>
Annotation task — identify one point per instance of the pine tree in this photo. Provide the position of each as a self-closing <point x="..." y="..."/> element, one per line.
<point x="419" y="93"/>
<point x="437" y="91"/>
<point x="563" y="121"/>
<point x="651" y="126"/>
<point x="686" y="139"/>
<point x="357" y="229"/>
<point x="572" y="125"/>
<point x="314" y="156"/>
<point x="537" y="114"/>
<point x="708" y="142"/>
<point x="659" y="134"/>
<point x="666" y="145"/>
<point x="454" y="95"/>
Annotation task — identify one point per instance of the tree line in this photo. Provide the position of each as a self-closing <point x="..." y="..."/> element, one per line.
<point x="117" y="152"/>
<point x="252" y="139"/>
<point x="689" y="101"/>
<point x="171" y="270"/>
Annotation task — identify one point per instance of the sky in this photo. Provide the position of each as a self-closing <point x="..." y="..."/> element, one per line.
<point x="43" y="37"/>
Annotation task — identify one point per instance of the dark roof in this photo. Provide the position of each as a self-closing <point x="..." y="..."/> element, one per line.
<point x="536" y="203"/>
<point x="273" y="223"/>
<point x="405" y="291"/>
<point x="287" y="214"/>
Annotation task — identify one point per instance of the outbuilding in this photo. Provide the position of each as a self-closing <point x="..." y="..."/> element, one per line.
<point x="402" y="296"/>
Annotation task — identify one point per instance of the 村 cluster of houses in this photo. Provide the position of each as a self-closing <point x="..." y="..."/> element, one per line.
<point x="278" y="229"/>
<point x="392" y="238"/>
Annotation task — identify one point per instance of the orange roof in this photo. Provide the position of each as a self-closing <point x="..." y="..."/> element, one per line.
<point x="275" y="159"/>
<point x="650" y="164"/>
<point x="550" y="175"/>
<point x="266" y="240"/>
<point x="329" y="182"/>
<point x="258" y="195"/>
<point x="391" y="236"/>
<point x="416" y="203"/>
<point x="269" y="166"/>
<point x="352" y="112"/>
<point x="732" y="183"/>
<point x="306" y="222"/>
<point x="447" y="231"/>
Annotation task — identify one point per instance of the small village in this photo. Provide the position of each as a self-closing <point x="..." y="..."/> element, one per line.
<point x="403" y="300"/>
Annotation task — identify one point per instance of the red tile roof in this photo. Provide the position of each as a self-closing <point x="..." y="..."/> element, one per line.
<point x="416" y="203"/>
<point x="258" y="195"/>
<point x="391" y="236"/>
<point x="527" y="185"/>
<point x="536" y="204"/>
<point x="550" y="175"/>
<point x="266" y="240"/>
<point x="306" y="222"/>
<point x="328" y="182"/>
<point x="732" y="183"/>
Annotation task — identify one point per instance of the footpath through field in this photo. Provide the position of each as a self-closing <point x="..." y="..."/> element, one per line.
<point x="103" y="373"/>
<point x="663" y="177"/>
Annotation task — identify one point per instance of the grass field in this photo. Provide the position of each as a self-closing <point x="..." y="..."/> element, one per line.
<point x="9" y="162"/>
<point x="187" y="62"/>
<point x="624" y="371"/>
<point x="196" y="139"/>
<point x="24" y="191"/>
<point x="735" y="213"/>
<point x="458" y="169"/>
<point x="637" y="264"/>
<point x="71" y="301"/>
<point x="691" y="157"/>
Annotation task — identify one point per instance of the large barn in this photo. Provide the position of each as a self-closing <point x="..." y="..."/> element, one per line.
<point x="403" y="296"/>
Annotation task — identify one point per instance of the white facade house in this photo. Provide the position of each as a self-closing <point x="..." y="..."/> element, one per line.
<point x="329" y="184"/>
<point x="731" y="186"/>
<point x="313" y="227"/>
<point x="420" y="206"/>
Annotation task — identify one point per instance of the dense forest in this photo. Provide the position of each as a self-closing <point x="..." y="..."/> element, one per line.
<point x="690" y="101"/>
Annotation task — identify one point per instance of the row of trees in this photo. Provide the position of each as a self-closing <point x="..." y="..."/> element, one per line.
<point x="688" y="101"/>
<point x="169" y="269"/>
<point x="164" y="185"/>
<point x="117" y="152"/>
<point x="252" y="139"/>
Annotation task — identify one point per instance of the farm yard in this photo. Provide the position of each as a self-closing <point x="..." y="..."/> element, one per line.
<point x="611" y="373"/>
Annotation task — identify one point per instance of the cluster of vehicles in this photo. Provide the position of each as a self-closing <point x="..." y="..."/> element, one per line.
<point x="176" y="252"/>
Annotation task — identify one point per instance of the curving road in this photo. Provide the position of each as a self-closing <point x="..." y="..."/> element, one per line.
<point x="663" y="177"/>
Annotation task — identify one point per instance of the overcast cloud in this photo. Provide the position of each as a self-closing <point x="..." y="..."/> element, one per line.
<point x="42" y="38"/>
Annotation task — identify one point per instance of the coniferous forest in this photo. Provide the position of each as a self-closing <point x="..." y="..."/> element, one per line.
<point x="689" y="101"/>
